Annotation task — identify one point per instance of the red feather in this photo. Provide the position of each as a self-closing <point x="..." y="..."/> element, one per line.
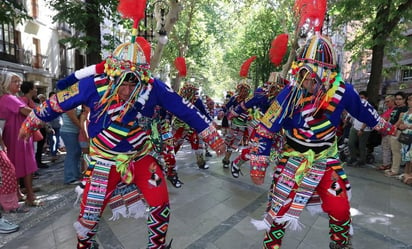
<point x="133" y="9"/>
<point x="244" y="70"/>
<point x="311" y="10"/>
<point x="278" y="49"/>
<point x="180" y="65"/>
<point x="145" y="46"/>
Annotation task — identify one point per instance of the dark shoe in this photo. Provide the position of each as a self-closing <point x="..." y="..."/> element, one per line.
<point x="207" y="154"/>
<point x="42" y="166"/>
<point x="174" y="180"/>
<point x="226" y="163"/>
<point x="74" y="182"/>
<point x="235" y="170"/>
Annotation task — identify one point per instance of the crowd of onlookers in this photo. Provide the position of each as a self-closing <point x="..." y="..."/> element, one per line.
<point x="20" y="159"/>
<point x="397" y="109"/>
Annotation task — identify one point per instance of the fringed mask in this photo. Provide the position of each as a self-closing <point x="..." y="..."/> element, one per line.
<point x="128" y="63"/>
<point x="275" y="84"/>
<point x="189" y="92"/>
<point x="242" y="91"/>
<point x="318" y="61"/>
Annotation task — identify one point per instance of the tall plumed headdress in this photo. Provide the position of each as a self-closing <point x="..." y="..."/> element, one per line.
<point x="243" y="88"/>
<point x="275" y="84"/>
<point x="130" y="60"/>
<point x="188" y="91"/>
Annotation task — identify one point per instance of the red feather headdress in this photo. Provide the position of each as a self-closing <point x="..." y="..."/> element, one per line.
<point x="278" y="49"/>
<point x="244" y="69"/>
<point x="133" y="9"/>
<point x="311" y="10"/>
<point x="180" y="64"/>
<point x="145" y="46"/>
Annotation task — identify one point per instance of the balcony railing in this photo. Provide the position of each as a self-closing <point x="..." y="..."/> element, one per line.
<point x="25" y="57"/>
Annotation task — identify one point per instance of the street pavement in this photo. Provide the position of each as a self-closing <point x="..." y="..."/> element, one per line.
<point x="213" y="210"/>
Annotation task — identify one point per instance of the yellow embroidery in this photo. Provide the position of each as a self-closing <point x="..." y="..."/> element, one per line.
<point x="68" y="93"/>
<point x="271" y="114"/>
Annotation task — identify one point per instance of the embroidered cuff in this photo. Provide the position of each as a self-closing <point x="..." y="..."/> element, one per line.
<point x="258" y="165"/>
<point x="263" y="132"/>
<point x="385" y="128"/>
<point x="212" y="138"/>
<point x="31" y="124"/>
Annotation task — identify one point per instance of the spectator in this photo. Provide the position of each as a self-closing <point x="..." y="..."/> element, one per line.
<point x="386" y="140"/>
<point x="70" y="135"/>
<point x="395" y="145"/>
<point x="20" y="152"/>
<point x="405" y="125"/>
<point x="358" y="138"/>
<point x="54" y="135"/>
<point x="83" y="135"/>
<point x="8" y="183"/>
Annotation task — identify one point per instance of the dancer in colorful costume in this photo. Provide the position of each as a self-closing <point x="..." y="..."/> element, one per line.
<point x="238" y="123"/>
<point x="261" y="100"/>
<point x="160" y="130"/>
<point x="309" y="171"/>
<point x="183" y="130"/>
<point x="124" y="174"/>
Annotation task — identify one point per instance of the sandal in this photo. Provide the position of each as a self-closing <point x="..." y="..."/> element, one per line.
<point x="34" y="203"/>
<point x="391" y="174"/>
<point x="384" y="167"/>
<point x="235" y="170"/>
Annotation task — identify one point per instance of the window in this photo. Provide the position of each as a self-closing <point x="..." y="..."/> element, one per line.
<point x="7" y="41"/>
<point x="407" y="74"/>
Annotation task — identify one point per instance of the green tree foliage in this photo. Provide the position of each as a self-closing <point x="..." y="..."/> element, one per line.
<point x="85" y="17"/>
<point x="12" y="11"/>
<point x="381" y="26"/>
<point x="221" y="36"/>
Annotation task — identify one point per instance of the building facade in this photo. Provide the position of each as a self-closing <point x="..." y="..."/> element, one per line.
<point x="32" y="49"/>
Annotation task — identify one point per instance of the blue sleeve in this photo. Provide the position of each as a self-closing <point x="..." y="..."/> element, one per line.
<point x="79" y="93"/>
<point x="361" y="110"/>
<point x="258" y="98"/>
<point x="164" y="96"/>
<point x="201" y="107"/>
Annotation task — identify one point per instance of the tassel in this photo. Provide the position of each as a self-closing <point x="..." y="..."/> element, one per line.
<point x="260" y="224"/>
<point x="80" y="229"/>
<point x="137" y="210"/>
<point x="290" y="222"/>
<point x="119" y="211"/>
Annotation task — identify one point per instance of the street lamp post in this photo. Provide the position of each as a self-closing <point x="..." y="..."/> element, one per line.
<point x="150" y="23"/>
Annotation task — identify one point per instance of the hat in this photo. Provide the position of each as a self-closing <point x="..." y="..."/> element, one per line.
<point x="319" y="58"/>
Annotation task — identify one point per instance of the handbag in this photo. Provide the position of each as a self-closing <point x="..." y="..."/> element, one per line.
<point x="405" y="138"/>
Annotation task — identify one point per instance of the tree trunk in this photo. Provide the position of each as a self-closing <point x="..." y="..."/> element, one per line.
<point x="171" y="19"/>
<point x="375" y="77"/>
<point x="93" y="32"/>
